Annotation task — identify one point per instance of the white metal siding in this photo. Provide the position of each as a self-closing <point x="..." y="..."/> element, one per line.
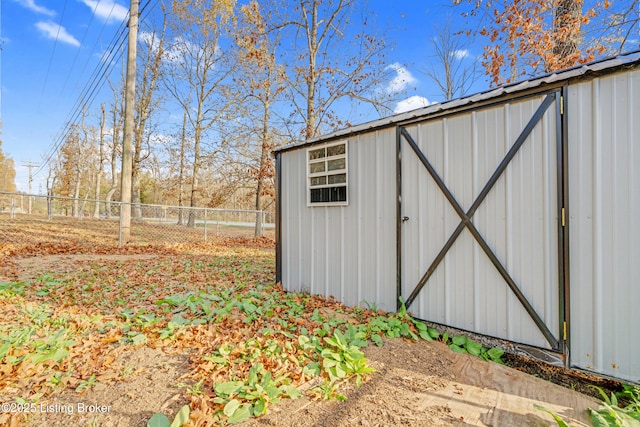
<point x="518" y="219"/>
<point x="604" y="189"/>
<point x="348" y="252"/>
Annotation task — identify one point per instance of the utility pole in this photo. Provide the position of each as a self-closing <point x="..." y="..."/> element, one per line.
<point x="127" y="138"/>
<point x="30" y="165"/>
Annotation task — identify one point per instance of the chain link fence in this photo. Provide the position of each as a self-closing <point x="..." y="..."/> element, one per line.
<point x="149" y="223"/>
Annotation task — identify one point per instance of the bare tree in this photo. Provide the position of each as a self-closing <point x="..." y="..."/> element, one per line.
<point x="621" y="27"/>
<point x="197" y="76"/>
<point x="182" y="167"/>
<point x="150" y="54"/>
<point x="52" y="176"/>
<point x="7" y="171"/>
<point x="332" y="58"/>
<point x="86" y="164"/>
<point x="101" y="160"/>
<point x="451" y="70"/>
<point x="75" y="158"/>
<point x="117" y="121"/>
<point x="262" y="80"/>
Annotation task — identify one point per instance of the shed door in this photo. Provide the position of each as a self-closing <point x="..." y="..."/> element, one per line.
<point x="478" y="220"/>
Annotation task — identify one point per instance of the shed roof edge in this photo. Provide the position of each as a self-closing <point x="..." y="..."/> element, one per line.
<point x="596" y="68"/>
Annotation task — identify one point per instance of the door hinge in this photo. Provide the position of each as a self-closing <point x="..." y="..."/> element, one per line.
<point x="563" y="218"/>
<point x="564" y="331"/>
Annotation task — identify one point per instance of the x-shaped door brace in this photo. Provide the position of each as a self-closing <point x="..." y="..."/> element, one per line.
<point x="466" y="218"/>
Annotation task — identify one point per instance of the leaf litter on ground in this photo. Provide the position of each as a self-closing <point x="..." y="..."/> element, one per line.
<point x="250" y="343"/>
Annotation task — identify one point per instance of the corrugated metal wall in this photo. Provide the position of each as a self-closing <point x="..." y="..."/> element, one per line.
<point x="348" y="252"/>
<point x="518" y="219"/>
<point x="604" y="165"/>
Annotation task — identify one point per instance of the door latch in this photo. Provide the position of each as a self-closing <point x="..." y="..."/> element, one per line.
<point x="405" y="218"/>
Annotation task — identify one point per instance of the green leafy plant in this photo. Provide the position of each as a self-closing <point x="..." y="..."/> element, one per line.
<point x="86" y="384"/>
<point x="9" y="289"/>
<point x="463" y="344"/>
<point x="194" y="389"/>
<point x="53" y="347"/>
<point x="611" y="414"/>
<point x="559" y="421"/>
<point x="459" y="344"/>
<point x="175" y="324"/>
<point x="243" y="399"/>
<point x="161" y="420"/>
<point x="425" y="332"/>
<point x="329" y="391"/>
<point x="343" y="359"/>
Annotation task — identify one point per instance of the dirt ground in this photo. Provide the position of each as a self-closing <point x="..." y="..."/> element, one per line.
<point x="426" y="384"/>
<point x="415" y="384"/>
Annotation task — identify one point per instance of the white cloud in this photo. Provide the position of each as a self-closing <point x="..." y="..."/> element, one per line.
<point x="179" y="49"/>
<point x="147" y="37"/>
<point x="411" y="104"/>
<point x="460" y="53"/>
<point x="56" y="32"/>
<point x="32" y="6"/>
<point x="150" y="39"/>
<point x="401" y="81"/>
<point x="108" y="10"/>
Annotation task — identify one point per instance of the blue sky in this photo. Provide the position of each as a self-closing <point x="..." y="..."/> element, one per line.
<point x="52" y="48"/>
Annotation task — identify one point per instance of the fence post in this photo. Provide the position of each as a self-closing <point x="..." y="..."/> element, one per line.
<point x="49" y="208"/>
<point x="13" y="208"/>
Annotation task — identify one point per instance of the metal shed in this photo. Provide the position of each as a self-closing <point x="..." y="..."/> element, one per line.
<point x="513" y="213"/>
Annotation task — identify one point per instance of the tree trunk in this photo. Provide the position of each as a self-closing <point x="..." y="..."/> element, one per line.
<point x="109" y="198"/>
<point x="84" y="204"/>
<point x="116" y="123"/>
<point x="114" y="181"/>
<point x="51" y="181"/>
<point x="135" y="192"/>
<point x="311" y="77"/>
<point x="258" y="229"/>
<point x="183" y="142"/>
<point x="75" y="212"/>
<point x="194" y="180"/>
<point x="135" y="169"/>
<point x="567" y="22"/>
<point x="96" y="208"/>
<point x="264" y="152"/>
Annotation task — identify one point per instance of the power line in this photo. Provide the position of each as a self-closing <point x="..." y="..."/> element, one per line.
<point x="53" y="52"/>
<point x="93" y="49"/>
<point x="95" y="83"/>
<point x="88" y="93"/>
<point x="75" y="58"/>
